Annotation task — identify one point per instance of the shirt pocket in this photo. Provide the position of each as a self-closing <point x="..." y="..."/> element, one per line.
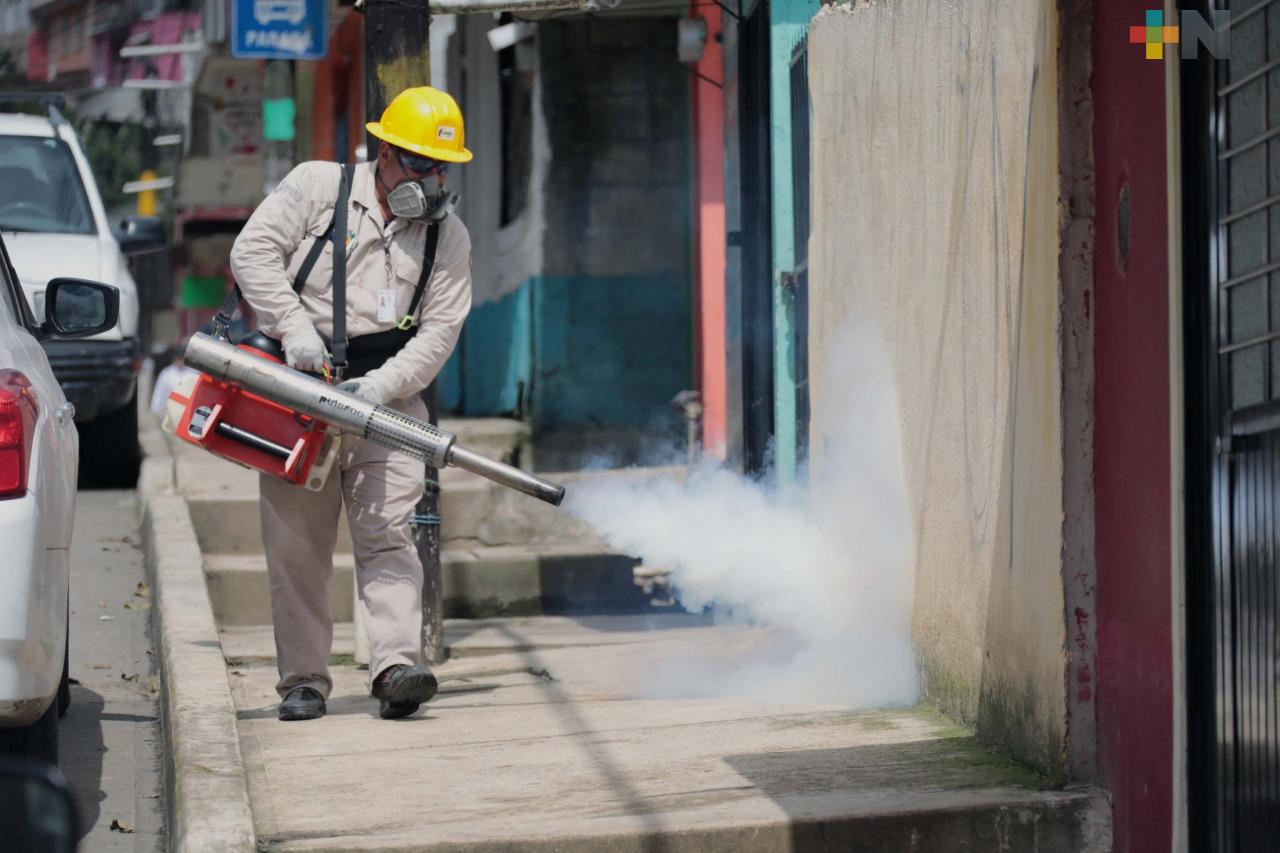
<point x="408" y="268"/>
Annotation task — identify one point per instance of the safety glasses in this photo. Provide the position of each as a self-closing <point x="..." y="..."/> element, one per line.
<point x="420" y="165"/>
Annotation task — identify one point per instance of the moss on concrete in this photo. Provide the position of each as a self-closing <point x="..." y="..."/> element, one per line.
<point x="1010" y="720"/>
<point x="953" y="695"/>
<point x="1002" y="715"/>
<point x="943" y="726"/>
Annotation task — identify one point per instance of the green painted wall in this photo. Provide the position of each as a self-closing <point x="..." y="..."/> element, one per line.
<point x="490" y="369"/>
<point x="788" y="23"/>
<point x="576" y="352"/>
<point x="609" y="352"/>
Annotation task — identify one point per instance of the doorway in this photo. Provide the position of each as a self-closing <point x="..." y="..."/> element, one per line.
<point x="1231" y="228"/>
<point x="756" y="239"/>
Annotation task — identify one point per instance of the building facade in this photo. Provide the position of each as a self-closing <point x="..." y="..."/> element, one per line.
<point x="1057" y="235"/>
<point x="15" y="23"/>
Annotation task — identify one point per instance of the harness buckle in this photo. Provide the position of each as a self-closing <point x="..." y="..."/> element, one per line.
<point x="406" y="323"/>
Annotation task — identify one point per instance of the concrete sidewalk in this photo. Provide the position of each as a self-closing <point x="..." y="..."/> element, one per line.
<point x="550" y="733"/>
<point x="542" y="739"/>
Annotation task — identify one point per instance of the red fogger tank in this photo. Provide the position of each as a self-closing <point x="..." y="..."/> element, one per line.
<point x="250" y="430"/>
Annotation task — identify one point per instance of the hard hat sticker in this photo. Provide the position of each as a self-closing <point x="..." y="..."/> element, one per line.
<point x="445" y="132"/>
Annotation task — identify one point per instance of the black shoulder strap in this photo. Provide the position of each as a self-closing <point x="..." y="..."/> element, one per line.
<point x="317" y="245"/>
<point x="340" y="272"/>
<point x="222" y="320"/>
<point x="428" y="264"/>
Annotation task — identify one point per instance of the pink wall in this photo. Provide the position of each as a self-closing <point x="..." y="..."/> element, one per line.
<point x="168" y="28"/>
<point x="1131" y="436"/>
<point x="37" y="55"/>
<point x="709" y="236"/>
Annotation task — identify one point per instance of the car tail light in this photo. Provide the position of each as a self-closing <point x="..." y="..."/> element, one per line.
<point x="17" y="430"/>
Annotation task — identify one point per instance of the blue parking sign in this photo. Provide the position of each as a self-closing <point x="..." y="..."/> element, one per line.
<point x="279" y="29"/>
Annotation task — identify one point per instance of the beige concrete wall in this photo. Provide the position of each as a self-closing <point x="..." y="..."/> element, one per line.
<point x="935" y="224"/>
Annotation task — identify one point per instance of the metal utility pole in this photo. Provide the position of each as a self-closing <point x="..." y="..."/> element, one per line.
<point x="396" y="57"/>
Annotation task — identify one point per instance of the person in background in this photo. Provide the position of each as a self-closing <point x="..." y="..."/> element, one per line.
<point x="169" y="378"/>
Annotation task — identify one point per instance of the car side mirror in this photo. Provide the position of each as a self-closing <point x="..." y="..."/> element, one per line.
<point x="75" y="308"/>
<point x="138" y="234"/>
<point x="37" y="811"/>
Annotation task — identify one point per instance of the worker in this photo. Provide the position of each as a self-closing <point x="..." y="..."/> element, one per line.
<point x="397" y="348"/>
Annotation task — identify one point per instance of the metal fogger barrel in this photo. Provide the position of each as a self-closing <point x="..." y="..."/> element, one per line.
<point x="349" y="413"/>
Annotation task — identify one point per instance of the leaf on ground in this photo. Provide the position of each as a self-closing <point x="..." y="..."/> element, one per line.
<point x="102" y="666"/>
<point x="118" y="825"/>
<point x="153" y="684"/>
<point x="237" y="672"/>
<point x="143" y="590"/>
<point x="126" y="677"/>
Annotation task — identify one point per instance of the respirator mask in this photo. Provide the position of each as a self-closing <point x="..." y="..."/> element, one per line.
<point x="414" y="198"/>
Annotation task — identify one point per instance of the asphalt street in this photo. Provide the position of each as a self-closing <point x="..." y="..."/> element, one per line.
<point x="109" y="741"/>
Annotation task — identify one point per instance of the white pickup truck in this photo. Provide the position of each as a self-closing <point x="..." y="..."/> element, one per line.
<point x="54" y="224"/>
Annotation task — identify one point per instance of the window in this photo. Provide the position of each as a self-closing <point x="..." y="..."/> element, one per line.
<point x="516" y="66"/>
<point x="13" y="302"/>
<point x="42" y="187"/>
<point x="1249" y="221"/>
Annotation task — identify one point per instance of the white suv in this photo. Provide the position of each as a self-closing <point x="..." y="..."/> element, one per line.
<point x="54" y="224"/>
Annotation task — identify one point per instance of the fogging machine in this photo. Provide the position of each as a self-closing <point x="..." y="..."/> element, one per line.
<point x="247" y="406"/>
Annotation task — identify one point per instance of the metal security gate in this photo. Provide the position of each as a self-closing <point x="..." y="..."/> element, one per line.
<point x="1231" y="195"/>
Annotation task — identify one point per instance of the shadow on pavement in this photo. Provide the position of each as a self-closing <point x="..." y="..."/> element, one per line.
<point x="650" y="839"/>
<point x="885" y="797"/>
<point x="80" y="750"/>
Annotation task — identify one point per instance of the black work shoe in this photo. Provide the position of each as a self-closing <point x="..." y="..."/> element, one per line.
<point x="302" y="703"/>
<point x="401" y="689"/>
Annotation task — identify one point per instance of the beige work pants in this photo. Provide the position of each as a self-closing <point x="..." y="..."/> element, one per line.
<point x="380" y="488"/>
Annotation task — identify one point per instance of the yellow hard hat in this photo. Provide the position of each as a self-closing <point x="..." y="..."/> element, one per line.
<point x="425" y="121"/>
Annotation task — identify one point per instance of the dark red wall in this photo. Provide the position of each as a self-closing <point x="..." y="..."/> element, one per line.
<point x="1131" y="435"/>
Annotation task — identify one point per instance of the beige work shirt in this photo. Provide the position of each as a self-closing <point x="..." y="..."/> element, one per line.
<point x="380" y="257"/>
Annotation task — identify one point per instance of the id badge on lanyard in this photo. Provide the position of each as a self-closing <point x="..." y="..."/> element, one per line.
<point x="386" y="306"/>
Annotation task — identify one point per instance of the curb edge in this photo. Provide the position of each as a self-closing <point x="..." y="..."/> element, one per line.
<point x="205" y="779"/>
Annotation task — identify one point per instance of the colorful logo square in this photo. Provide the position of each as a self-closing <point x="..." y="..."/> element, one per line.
<point x="1153" y="35"/>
